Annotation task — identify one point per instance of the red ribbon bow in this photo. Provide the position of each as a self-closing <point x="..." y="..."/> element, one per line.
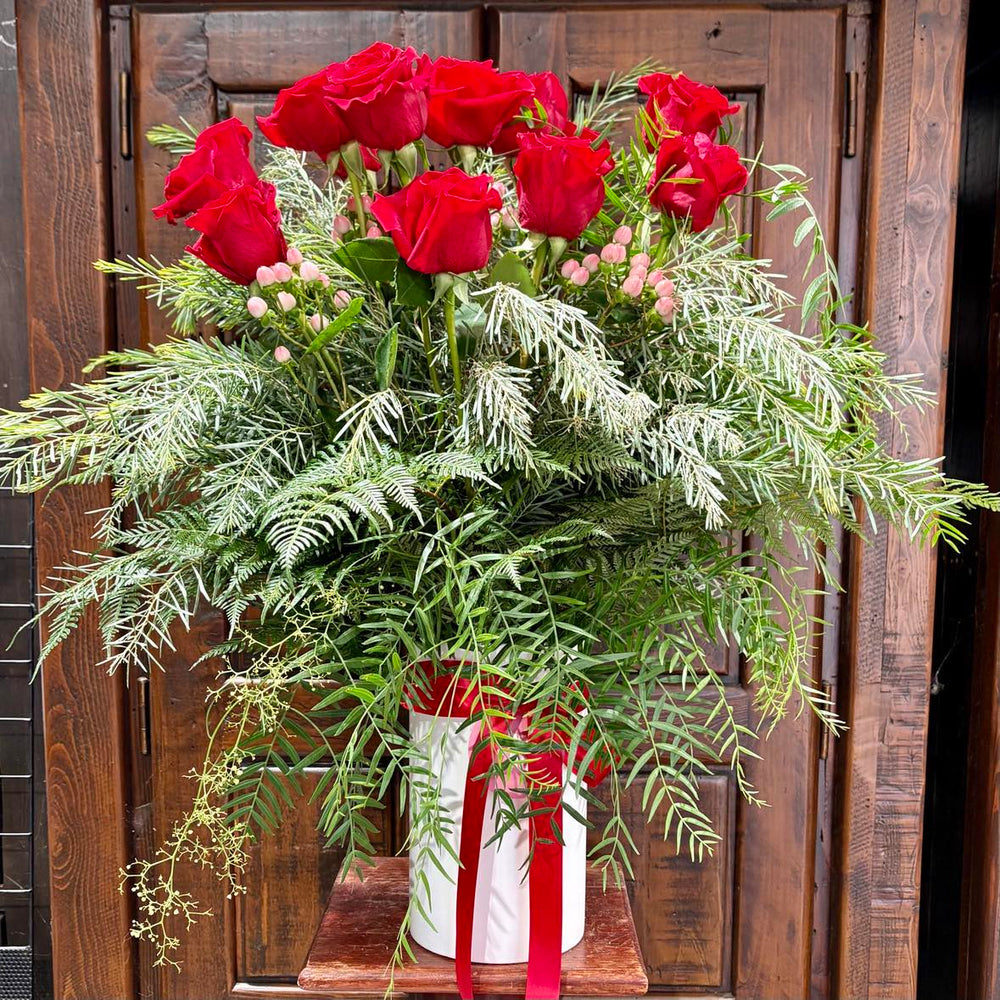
<point x="455" y="697"/>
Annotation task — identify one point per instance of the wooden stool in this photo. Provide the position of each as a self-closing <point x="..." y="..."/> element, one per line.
<point x="357" y="938"/>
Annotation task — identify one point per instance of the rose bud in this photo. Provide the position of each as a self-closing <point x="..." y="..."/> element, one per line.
<point x="318" y="321"/>
<point x="580" y="276"/>
<point x="623" y="235"/>
<point x="342" y="225"/>
<point x="716" y="171"/>
<point x="265" y="276"/>
<point x="440" y="222"/>
<point x="282" y="354"/>
<point x="294" y="256"/>
<point x="613" y="253"/>
<point x="286" y="300"/>
<point x="591" y="262"/>
<point x="560" y="182"/>
<point x="640" y="259"/>
<point x="655" y="277"/>
<point x="568" y="267"/>
<point x="218" y="163"/>
<point x="240" y="231"/>
<point x="664" y="288"/>
<point x="341" y="299"/>
<point x="256" y="306"/>
<point x="664" y="307"/>
<point x="632" y="286"/>
<point x="308" y="271"/>
<point x="282" y="272"/>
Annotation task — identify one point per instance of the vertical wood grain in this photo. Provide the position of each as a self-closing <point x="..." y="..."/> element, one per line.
<point x="906" y="298"/>
<point x="66" y="227"/>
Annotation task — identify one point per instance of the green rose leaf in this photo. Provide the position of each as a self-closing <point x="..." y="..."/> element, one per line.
<point x="385" y="358"/>
<point x="412" y="287"/>
<point x="341" y="322"/>
<point x="511" y="270"/>
<point x="373" y="261"/>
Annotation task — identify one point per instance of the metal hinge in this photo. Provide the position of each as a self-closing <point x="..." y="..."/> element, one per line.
<point x="125" y="114"/>
<point x="851" y="114"/>
<point x="143" y="713"/>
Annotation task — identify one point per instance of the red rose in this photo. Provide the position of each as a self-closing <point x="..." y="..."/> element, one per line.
<point x="711" y="172"/>
<point x="560" y="185"/>
<point x="440" y="222"/>
<point x="471" y="101"/>
<point x="550" y="95"/>
<point x="304" y="119"/>
<point x="219" y="161"/>
<point x="677" y="104"/>
<point x="381" y="93"/>
<point x="240" y="230"/>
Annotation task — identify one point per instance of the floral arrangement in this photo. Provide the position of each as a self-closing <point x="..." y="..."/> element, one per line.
<point x="502" y="426"/>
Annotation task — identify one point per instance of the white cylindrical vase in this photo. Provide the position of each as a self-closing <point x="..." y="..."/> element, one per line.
<point x="501" y="924"/>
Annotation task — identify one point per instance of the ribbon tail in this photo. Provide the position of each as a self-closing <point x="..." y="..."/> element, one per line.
<point x="545" y="885"/>
<point x="473" y="813"/>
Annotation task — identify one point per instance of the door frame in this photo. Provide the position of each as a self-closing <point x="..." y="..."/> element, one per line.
<point x="907" y="173"/>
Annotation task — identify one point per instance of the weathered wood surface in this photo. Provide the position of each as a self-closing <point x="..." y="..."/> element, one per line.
<point x="353" y="949"/>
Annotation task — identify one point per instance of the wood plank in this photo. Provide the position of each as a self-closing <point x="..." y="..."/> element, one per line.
<point x="66" y="225"/>
<point x="906" y="298"/>
<point x="357" y="937"/>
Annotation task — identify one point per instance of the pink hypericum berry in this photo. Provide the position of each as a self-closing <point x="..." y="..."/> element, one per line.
<point x="282" y="272"/>
<point x="282" y="354"/>
<point x="664" y="288"/>
<point x="318" y="321"/>
<point x="654" y="277"/>
<point x="265" y="276"/>
<point x="366" y="202"/>
<point x="308" y="271"/>
<point x="568" y="267"/>
<point x="341" y="299"/>
<point x="500" y="188"/>
<point x="324" y="279"/>
<point x="373" y="232"/>
<point x="256" y="306"/>
<point x="294" y="256"/>
<point x="342" y="225"/>
<point x="494" y="220"/>
<point x="580" y="276"/>
<point x="507" y="218"/>
<point x="623" y="235"/>
<point x="632" y="286"/>
<point x="640" y="258"/>
<point x="286" y="300"/>
<point x="638" y="270"/>
<point x="591" y="262"/>
<point x="664" y="306"/>
<point x="613" y="253"/>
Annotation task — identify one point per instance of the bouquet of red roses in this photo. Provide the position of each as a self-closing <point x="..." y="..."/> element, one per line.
<point x="480" y="446"/>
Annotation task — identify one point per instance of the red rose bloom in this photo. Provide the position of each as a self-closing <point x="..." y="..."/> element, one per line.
<point x="304" y="119"/>
<point x="677" y="104"/>
<point x="440" y="222"/>
<point x="550" y="95"/>
<point x="471" y="101"/>
<point x="240" y="231"/>
<point x="218" y="162"/>
<point x="711" y="173"/>
<point x="560" y="185"/>
<point x="381" y="93"/>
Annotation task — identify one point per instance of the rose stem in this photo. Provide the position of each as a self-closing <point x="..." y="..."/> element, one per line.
<point x="449" y="322"/>
<point x="359" y="207"/>
<point x="541" y="256"/>
<point x="425" y="333"/>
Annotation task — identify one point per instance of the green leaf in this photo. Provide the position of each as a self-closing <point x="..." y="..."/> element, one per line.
<point x="344" y="320"/>
<point x="370" y="260"/>
<point x="385" y="358"/>
<point x="511" y="270"/>
<point x="412" y="287"/>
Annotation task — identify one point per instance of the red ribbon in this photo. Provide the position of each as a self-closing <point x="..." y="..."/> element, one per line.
<point x="451" y="696"/>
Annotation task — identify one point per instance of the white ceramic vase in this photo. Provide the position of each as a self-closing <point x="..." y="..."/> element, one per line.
<point x="500" y="928"/>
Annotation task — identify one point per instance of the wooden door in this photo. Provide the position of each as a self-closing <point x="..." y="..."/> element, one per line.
<point x="749" y="921"/>
<point x="204" y="65"/>
<point x="742" y="923"/>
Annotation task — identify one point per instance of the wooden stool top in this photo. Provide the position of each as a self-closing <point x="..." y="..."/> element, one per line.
<point x="357" y="938"/>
